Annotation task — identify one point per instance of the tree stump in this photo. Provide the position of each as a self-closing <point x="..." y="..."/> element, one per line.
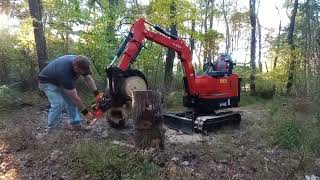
<point x="148" y="119"/>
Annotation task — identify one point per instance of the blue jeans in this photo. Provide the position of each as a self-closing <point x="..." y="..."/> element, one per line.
<point x="58" y="99"/>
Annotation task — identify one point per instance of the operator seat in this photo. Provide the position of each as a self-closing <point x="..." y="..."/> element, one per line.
<point x="222" y="67"/>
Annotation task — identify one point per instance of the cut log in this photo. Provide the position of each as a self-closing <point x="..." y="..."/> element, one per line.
<point x="133" y="83"/>
<point x="148" y="119"/>
<point x="117" y="117"/>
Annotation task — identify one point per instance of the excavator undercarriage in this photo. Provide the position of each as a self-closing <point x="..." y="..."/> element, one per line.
<point x="191" y="121"/>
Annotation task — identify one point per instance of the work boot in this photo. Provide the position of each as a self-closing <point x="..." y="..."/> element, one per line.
<point x="49" y="131"/>
<point x="78" y="127"/>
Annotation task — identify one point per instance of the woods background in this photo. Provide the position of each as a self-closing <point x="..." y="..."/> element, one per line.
<point x="279" y="67"/>
<point x="91" y="27"/>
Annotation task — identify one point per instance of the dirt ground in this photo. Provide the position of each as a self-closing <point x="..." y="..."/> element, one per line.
<point x="229" y="153"/>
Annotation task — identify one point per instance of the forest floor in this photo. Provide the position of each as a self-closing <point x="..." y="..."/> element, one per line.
<point x="229" y="153"/>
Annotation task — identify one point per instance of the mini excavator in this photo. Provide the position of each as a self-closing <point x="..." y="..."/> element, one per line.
<point x="205" y="94"/>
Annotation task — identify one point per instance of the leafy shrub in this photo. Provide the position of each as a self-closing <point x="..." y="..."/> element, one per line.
<point x="244" y="73"/>
<point x="264" y="88"/>
<point x="8" y="97"/>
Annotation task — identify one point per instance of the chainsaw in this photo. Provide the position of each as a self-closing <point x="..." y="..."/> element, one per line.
<point x="99" y="108"/>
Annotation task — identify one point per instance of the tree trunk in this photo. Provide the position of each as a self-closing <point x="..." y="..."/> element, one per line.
<point x="4" y="72"/>
<point x="304" y="34"/>
<point x="247" y="50"/>
<point x="260" y="45"/>
<point x="259" y="38"/>
<point x="205" y="26"/>
<point x="253" y="47"/>
<point x="170" y="53"/>
<point x="278" y="48"/>
<point x="210" y="50"/>
<point x="292" y="64"/>
<point x="238" y="38"/>
<point x="148" y="119"/>
<point x="67" y="43"/>
<point x="35" y="8"/>
<point x="233" y="37"/>
<point x="227" y="26"/>
<point x="211" y="14"/>
<point x="169" y="62"/>
<point x="192" y="42"/>
<point x="265" y="63"/>
<point x="308" y="57"/>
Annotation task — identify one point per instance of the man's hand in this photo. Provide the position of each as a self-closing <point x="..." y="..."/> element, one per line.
<point x="75" y="98"/>
<point x="98" y="95"/>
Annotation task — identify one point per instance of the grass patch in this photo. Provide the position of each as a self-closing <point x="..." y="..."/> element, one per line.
<point x="290" y="133"/>
<point x="113" y="162"/>
<point x="18" y="138"/>
<point x="298" y="134"/>
<point x="275" y="105"/>
<point x="246" y="100"/>
<point x="292" y="129"/>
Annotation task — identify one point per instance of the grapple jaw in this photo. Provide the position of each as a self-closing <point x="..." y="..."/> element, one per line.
<point x="117" y="98"/>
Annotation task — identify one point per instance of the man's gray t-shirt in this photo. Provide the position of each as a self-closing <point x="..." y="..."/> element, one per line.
<point x="60" y="72"/>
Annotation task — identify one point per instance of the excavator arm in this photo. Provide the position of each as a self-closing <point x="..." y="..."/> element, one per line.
<point x="137" y="36"/>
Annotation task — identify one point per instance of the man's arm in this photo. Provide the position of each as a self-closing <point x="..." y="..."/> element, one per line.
<point x="75" y="98"/>
<point x="78" y="102"/>
<point x="90" y="82"/>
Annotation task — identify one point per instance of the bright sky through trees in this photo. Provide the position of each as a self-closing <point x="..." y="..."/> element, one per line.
<point x="268" y="15"/>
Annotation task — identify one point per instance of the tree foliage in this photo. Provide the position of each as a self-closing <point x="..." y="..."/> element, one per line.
<point x="15" y="60"/>
<point x="91" y="27"/>
<point x="160" y="13"/>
